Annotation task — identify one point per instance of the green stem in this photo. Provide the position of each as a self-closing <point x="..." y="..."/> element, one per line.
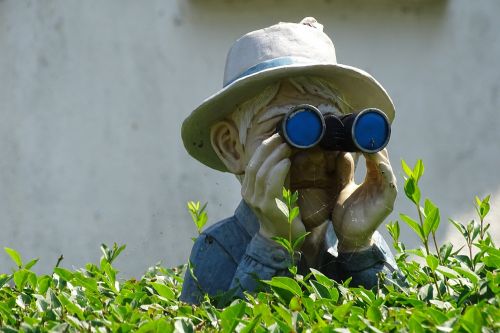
<point x="437" y="248"/>
<point x="425" y="239"/>
<point x="481" y="230"/>
<point x="440" y="261"/>
<point x="469" y="245"/>
<point x="436" y="283"/>
<point x="290" y="240"/>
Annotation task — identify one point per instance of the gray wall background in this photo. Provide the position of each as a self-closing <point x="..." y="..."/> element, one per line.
<point x="93" y="93"/>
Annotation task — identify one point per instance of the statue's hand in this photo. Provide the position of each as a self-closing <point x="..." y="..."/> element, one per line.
<point x="360" y="209"/>
<point x="263" y="181"/>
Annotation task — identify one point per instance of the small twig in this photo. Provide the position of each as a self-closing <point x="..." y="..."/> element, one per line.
<point x="61" y="257"/>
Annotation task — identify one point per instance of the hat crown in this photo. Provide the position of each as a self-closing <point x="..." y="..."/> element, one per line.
<point x="302" y="42"/>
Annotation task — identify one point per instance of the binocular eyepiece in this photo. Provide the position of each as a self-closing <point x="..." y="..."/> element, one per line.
<point x="366" y="131"/>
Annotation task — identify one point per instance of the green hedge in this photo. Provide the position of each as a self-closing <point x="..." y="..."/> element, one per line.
<point x="450" y="291"/>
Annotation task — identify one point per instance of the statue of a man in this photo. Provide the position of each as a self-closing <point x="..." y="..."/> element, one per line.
<point x="268" y="72"/>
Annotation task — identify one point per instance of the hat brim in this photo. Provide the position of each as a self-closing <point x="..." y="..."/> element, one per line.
<point x="356" y="86"/>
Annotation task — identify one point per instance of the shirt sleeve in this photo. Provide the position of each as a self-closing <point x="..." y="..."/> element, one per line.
<point x="364" y="267"/>
<point x="262" y="260"/>
<point x="210" y="270"/>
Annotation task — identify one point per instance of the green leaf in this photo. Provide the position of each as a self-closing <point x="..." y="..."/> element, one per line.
<point x="491" y="261"/>
<point x="431" y="221"/>
<point x="295" y="197"/>
<point x="459" y="226"/>
<point x="374" y="314"/>
<point x="285" y="193"/>
<point x="294" y="213"/>
<point x="394" y="230"/>
<point x="407" y="169"/>
<point x="81" y="280"/>
<point x="445" y="250"/>
<point x="448" y="272"/>
<point x="341" y="311"/>
<point x="163" y="290"/>
<point x="299" y="240"/>
<point x="20" y="278"/>
<point x="230" y="316"/>
<point x="414" y="225"/>
<point x="412" y="190"/>
<point x="415" y="326"/>
<point x="70" y="306"/>
<point x="31" y="263"/>
<point x="483" y="206"/>
<point x="250" y="327"/>
<point x="432" y="262"/>
<point x="6" y="313"/>
<point x="286" y="283"/>
<point x="63" y="273"/>
<point x="15" y="256"/>
<point x="43" y="284"/>
<point x="295" y="304"/>
<point x="4" y="278"/>
<point x="472" y="321"/>
<point x="285" y="315"/>
<point x="321" y="278"/>
<point x="282" y="207"/>
<point x="201" y="221"/>
<point x="437" y="316"/>
<point x="466" y="272"/>
<point x="418" y="170"/>
<point x="283" y="242"/>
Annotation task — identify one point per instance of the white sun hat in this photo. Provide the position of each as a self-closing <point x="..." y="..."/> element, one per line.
<point x="268" y="55"/>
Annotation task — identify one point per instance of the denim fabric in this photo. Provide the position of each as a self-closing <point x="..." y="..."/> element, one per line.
<point x="232" y="256"/>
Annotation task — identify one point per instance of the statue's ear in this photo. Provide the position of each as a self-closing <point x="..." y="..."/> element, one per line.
<point x="226" y="142"/>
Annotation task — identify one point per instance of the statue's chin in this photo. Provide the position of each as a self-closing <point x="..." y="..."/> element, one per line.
<point x="315" y="205"/>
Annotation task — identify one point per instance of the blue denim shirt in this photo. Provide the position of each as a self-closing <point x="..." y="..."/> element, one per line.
<point x="232" y="255"/>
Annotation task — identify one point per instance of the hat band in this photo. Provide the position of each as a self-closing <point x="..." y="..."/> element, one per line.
<point x="272" y="63"/>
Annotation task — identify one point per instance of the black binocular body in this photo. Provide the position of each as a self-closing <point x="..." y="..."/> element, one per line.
<point x="366" y="131"/>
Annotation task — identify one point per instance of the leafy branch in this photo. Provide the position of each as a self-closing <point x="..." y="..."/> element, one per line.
<point x="288" y="206"/>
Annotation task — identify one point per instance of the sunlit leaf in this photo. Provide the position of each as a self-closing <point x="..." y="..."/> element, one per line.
<point x="163" y="290"/>
<point x="472" y="320"/>
<point x="432" y="261"/>
<point x="408" y="171"/>
<point x="473" y="277"/>
<point x="282" y="207"/>
<point x="31" y="263"/>
<point x="418" y="170"/>
<point x="15" y="256"/>
<point x="286" y="283"/>
<point x="414" y="225"/>
<point x="231" y="316"/>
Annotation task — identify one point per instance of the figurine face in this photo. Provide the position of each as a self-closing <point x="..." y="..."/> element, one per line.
<point x="312" y="171"/>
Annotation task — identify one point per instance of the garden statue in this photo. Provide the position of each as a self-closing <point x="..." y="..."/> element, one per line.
<point x="284" y="94"/>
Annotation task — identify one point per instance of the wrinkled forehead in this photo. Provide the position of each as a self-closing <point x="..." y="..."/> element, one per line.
<point x="279" y="111"/>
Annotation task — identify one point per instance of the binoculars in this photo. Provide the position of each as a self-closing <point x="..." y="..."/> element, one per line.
<point x="367" y="131"/>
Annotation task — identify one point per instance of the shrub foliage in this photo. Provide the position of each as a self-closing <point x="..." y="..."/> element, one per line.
<point x="450" y="289"/>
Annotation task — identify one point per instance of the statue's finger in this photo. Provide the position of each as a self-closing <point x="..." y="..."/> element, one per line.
<point x="281" y="152"/>
<point x="276" y="178"/>
<point x="261" y="153"/>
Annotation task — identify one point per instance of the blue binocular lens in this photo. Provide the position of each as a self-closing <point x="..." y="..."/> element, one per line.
<point x="366" y="131"/>
<point x="371" y="130"/>
<point x="303" y="126"/>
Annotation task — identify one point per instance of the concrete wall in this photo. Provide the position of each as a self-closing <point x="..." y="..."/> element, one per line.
<point x="92" y="96"/>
